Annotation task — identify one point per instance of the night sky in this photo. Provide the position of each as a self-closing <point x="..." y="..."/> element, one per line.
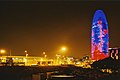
<point x="47" y="25"/>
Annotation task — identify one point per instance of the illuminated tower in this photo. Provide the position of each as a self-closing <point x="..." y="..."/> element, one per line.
<point x="99" y="36"/>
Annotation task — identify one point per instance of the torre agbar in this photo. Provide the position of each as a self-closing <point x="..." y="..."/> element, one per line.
<point x="99" y="36"/>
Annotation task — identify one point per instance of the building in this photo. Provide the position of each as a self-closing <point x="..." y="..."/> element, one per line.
<point x="99" y="36"/>
<point x="25" y="61"/>
<point x="114" y="53"/>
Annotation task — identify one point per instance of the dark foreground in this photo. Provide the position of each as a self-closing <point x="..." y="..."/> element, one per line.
<point x="45" y="72"/>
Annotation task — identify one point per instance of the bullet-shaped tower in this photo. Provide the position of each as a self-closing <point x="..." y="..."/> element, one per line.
<point x="99" y="36"/>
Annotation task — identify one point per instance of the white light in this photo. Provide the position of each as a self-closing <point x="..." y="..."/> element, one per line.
<point x="2" y="51"/>
<point x="63" y="48"/>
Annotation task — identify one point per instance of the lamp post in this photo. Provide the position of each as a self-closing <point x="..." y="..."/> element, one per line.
<point x="2" y="51"/>
<point x="60" y="57"/>
<point x="26" y="53"/>
<point x="63" y="49"/>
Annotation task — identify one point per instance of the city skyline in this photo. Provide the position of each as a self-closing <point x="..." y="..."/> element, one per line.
<point x="46" y="26"/>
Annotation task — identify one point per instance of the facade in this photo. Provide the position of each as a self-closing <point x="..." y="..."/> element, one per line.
<point x="99" y="36"/>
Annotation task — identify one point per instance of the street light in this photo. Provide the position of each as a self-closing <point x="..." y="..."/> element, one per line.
<point x="63" y="48"/>
<point x="2" y="51"/>
<point x="44" y="55"/>
<point x="26" y="53"/>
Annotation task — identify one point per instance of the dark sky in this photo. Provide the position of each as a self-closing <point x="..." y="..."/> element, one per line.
<point x="47" y="25"/>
